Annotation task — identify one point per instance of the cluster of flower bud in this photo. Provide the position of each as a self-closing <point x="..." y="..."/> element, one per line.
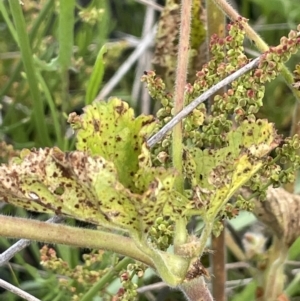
<point x="242" y="204"/>
<point x="91" y="16"/>
<point x="213" y="133"/>
<point x="128" y="290"/>
<point x="156" y="88"/>
<point x="52" y="262"/>
<point x="271" y="61"/>
<point x="289" y="150"/>
<point x="138" y="268"/>
<point x="78" y="279"/>
<point x="277" y="171"/>
<point x="243" y="99"/>
<point x="161" y="233"/>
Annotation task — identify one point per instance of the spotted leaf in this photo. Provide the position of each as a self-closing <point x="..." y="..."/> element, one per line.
<point x="218" y="173"/>
<point x="87" y="188"/>
<point x="72" y="184"/>
<point x="111" y="131"/>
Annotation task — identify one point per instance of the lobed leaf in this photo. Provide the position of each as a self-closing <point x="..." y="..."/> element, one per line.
<point x="73" y="184"/>
<point x="108" y="181"/>
<point x="111" y="131"/>
<point x="216" y="174"/>
<point x="87" y="188"/>
<point x="159" y="198"/>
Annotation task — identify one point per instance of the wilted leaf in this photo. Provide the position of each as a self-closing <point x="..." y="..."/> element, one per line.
<point x="280" y="211"/>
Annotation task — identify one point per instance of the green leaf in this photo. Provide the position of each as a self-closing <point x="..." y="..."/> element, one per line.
<point x="96" y="77"/>
<point x="72" y="184"/>
<point x="159" y="197"/>
<point x="218" y="173"/>
<point x="86" y="188"/>
<point x="108" y="181"/>
<point x="111" y="131"/>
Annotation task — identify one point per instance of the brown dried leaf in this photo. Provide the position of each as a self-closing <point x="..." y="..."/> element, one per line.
<point x="281" y="212"/>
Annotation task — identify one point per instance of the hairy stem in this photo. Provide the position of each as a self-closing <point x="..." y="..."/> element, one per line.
<point x="170" y="267"/>
<point x="76" y="237"/>
<point x="23" y="243"/>
<point x="181" y="76"/>
<point x="196" y="290"/>
<point x="216" y="24"/>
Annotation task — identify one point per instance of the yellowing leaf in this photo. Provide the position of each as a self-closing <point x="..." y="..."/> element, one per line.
<point x="221" y="172"/>
<point x="72" y="184"/>
<point x="159" y="197"/>
<point x="111" y="131"/>
<point x="87" y="188"/>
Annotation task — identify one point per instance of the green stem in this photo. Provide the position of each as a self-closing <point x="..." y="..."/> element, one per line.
<point x="8" y="22"/>
<point x="181" y="76"/>
<point x="53" y="110"/>
<point x="107" y="278"/>
<point x="170" y="267"/>
<point x="66" y="33"/>
<point x="66" y="43"/>
<point x="216" y="24"/>
<point x="17" y="228"/>
<point x="218" y="262"/>
<point x="35" y="26"/>
<point x="205" y="234"/>
<point x="293" y="286"/>
<point x="27" y="59"/>
<point x="274" y="274"/>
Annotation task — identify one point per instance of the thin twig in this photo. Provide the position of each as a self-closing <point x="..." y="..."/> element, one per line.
<point x="9" y="287"/>
<point x="237" y="283"/>
<point x="151" y="4"/>
<point x="22" y="244"/>
<point x="139" y="91"/>
<point x="151" y="287"/>
<point x="43" y="273"/>
<point x="203" y="97"/>
<point x="234" y="265"/>
<point x="140" y="49"/>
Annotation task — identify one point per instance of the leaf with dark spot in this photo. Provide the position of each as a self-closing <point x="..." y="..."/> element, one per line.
<point x="111" y="131"/>
<point x="221" y="172"/>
